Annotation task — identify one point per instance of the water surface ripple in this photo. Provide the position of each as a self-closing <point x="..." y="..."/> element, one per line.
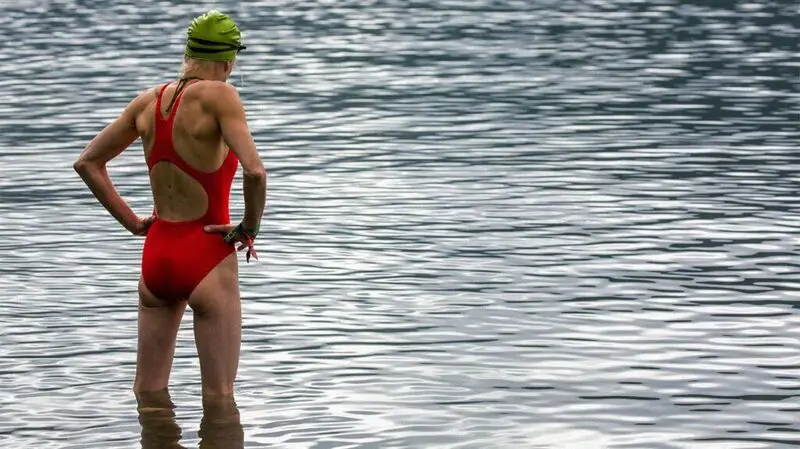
<point x="491" y="224"/>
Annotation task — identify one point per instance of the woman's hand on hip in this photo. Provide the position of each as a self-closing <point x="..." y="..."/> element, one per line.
<point x="235" y="234"/>
<point x="142" y="225"/>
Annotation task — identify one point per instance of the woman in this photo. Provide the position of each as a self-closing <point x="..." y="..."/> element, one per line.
<point x="195" y="134"/>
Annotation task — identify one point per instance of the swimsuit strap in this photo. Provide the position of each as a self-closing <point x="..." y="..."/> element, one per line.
<point x="182" y="83"/>
<point x="158" y="101"/>
<point x="164" y="150"/>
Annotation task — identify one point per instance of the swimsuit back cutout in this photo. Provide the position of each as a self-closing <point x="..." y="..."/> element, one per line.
<point x="217" y="184"/>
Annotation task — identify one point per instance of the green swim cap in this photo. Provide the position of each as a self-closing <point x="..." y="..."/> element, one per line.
<point x="213" y="36"/>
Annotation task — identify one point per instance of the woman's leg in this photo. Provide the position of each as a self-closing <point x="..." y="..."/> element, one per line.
<point x="218" y="327"/>
<point x="221" y="427"/>
<point x="157" y="418"/>
<point x="158" y="327"/>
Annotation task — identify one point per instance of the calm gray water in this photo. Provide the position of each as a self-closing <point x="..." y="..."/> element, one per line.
<point x="491" y="224"/>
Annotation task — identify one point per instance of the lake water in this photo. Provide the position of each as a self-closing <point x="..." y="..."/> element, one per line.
<point x="491" y="224"/>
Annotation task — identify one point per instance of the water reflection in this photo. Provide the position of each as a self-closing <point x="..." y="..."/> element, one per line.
<point x="491" y="224"/>
<point x="220" y="426"/>
<point x="157" y="418"/>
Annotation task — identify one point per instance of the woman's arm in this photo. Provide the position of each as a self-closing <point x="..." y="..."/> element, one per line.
<point x="236" y="134"/>
<point x="91" y="164"/>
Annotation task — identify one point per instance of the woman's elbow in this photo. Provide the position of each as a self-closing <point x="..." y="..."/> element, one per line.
<point x="79" y="165"/>
<point x="256" y="174"/>
<point x="82" y="166"/>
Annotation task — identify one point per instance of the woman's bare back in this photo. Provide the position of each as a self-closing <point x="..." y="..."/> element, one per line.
<point x="197" y="139"/>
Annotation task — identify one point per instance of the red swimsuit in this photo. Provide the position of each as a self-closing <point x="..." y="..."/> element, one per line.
<point x="178" y="255"/>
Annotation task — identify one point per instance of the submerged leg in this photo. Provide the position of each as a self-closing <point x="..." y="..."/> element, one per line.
<point x="157" y="418"/>
<point x="221" y="427"/>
